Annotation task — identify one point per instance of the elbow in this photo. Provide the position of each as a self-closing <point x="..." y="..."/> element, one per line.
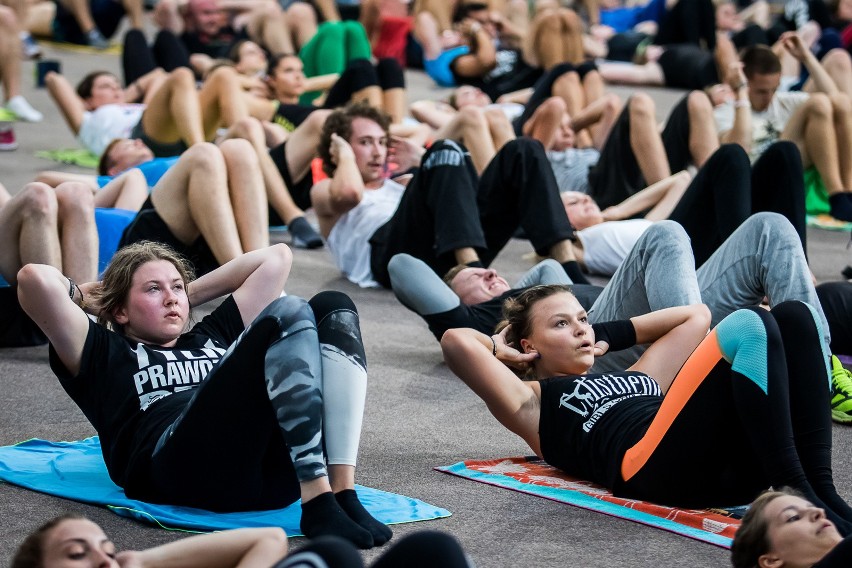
<point x="451" y="341"/>
<point x="30" y="279"/>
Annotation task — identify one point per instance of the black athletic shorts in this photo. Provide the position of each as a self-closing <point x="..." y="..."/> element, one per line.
<point x="299" y="190"/>
<point x="148" y="226"/>
<point x="16" y="327"/>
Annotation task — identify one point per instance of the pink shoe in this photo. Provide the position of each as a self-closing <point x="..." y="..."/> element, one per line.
<point x="7" y="137"/>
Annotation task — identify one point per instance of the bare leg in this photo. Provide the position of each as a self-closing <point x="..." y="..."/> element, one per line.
<point x="605" y="111"/>
<point x="572" y="37"/>
<point x="303" y="23"/>
<point x="545" y="121"/>
<point x="628" y="74"/>
<point x="173" y="112"/>
<point x="427" y="34"/>
<point x="500" y="127"/>
<point x="394" y="103"/>
<point x="193" y="199"/>
<point x="277" y="193"/>
<point x="28" y="230"/>
<point x="268" y="25"/>
<point x="10" y="53"/>
<point x="811" y="128"/>
<point x="248" y="195"/>
<point x="470" y="126"/>
<point x="466" y="255"/>
<point x="302" y="144"/>
<point x="371" y="94"/>
<point x="78" y="233"/>
<point x="82" y="13"/>
<point x="134" y="13"/>
<point x="570" y="89"/>
<point x="703" y="140"/>
<point x="838" y="65"/>
<point x="841" y="106"/>
<point x="645" y="139"/>
<point x="223" y="101"/>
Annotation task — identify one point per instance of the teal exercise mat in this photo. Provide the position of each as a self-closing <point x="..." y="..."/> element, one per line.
<point x="535" y="477"/>
<point x="76" y="470"/>
<point x="76" y="156"/>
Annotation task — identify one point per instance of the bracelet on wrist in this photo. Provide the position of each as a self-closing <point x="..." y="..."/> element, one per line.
<point x="742" y="104"/>
<point x="493" y="346"/>
<point x="71" y="288"/>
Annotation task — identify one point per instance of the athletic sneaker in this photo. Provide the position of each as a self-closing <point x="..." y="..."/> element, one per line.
<point x="19" y="106"/>
<point x="29" y="48"/>
<point x="304" y="236"/>
<point x="841" y="392"/>
<point x="7" y="137"/>
<point x="96" y="39"/>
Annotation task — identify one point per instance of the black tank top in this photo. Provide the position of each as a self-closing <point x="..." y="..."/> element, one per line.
<point x="588" y="422"/>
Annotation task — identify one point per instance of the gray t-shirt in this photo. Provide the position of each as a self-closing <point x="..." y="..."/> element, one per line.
<point x="571" y="167"/>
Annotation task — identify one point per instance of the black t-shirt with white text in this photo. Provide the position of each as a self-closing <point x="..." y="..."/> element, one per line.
<point x="131" y="392"/>
<point x="588" y="422"/>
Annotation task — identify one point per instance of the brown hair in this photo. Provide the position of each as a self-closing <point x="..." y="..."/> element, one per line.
<point x="340" y="122"/>
<point x="106" y="163"/>
<point x="752" y="538"/>
<point x="84" y="87"/>
<point x="30" y="553"/>
<point x="274" y="60"/>
<point x="517" y="312"/>
<point x="118" y="277"/>
<point x="759" y="60"/>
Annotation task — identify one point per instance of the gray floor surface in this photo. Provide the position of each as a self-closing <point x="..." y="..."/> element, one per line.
<point x="418" y="415"/>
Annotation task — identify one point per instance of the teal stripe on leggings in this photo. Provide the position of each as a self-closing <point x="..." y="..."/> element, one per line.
<point x="742" y="340"/>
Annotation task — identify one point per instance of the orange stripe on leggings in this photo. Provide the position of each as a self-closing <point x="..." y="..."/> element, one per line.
<point x="691" y="375"/>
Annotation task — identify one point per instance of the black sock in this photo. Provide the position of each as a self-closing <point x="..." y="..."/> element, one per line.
<point x="349" y="502"/>
<point x="303" y="234"/>
<point x="474" y="264"/>
<point x="572" y="269"/>
<point x="322" y="515"/>
<point x="841" y="206"/>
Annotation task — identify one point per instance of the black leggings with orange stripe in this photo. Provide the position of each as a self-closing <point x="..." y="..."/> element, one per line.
<point x="748" y="410"/>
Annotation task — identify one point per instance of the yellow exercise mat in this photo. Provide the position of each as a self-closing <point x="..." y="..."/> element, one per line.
<point x="113" y="49"/>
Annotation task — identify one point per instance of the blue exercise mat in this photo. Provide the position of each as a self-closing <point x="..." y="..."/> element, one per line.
<point x="76" y="470"/>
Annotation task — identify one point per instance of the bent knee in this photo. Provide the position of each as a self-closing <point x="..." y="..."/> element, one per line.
<point x="666" y="232"/>
<point x="39" y="199"/>
<point x="75" y="195"/>
<point x="642" y="104"/>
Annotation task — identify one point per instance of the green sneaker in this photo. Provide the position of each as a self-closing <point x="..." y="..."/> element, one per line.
<point x="841" y="390"/>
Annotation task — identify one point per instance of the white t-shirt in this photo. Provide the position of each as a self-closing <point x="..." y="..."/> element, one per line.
<point x="767" y="125"/>
<point x="607" y="244"/>
<point x="511" y="110"/>
<point x="349" y="239"/>
<point x="106" y="123"/>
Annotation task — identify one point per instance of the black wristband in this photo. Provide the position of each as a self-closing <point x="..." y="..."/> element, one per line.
<point x="71" y="287"/>
<point x="619" y="334"/>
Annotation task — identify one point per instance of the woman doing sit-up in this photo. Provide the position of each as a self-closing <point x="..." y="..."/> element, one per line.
<point x="783" y="529"/>
<point x="700" y="419"/>
<point x="257" y="405"/>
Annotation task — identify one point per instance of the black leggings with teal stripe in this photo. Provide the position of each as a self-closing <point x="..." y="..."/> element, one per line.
<point x="749" y="410"/>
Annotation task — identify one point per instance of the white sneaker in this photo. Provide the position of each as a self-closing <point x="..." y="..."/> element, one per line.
<point x="23" y="110"/>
